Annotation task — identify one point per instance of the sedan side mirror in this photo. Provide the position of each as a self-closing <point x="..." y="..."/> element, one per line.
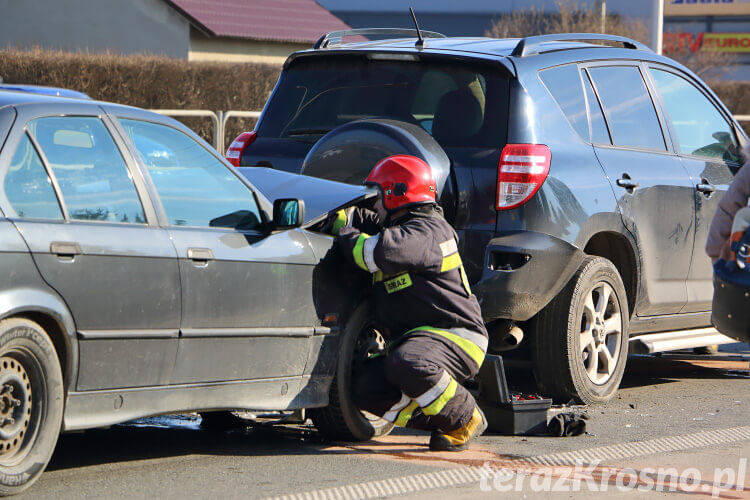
<point x="288" y="213"/>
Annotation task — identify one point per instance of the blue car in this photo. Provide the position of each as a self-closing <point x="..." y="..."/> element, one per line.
<point x="39" y="89"/>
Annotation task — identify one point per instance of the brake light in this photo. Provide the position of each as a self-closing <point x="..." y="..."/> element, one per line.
<point x="234" y="153"/>
<point x="522" y="170"/>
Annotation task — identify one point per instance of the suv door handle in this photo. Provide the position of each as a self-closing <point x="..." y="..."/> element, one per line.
<point x="706" y="187"/>
<point x="65" y="250"/>
<point x="626" y="182"/>
<point x="200" y="255"/>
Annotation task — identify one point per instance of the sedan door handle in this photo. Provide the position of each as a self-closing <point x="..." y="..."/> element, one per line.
<point x="200" y="255"/>
<point x="65" y="249"/>
<point x="706" y="187"/>
<point x="626" y="182"/>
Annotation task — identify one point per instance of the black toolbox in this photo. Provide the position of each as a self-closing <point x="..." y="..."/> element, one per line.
<point x="508" y="414"/>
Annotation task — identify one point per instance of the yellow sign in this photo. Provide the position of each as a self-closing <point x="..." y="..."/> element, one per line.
<point x="706" y="7"/>
<point x="398" y="283"/>
<point x="726" y="42"/>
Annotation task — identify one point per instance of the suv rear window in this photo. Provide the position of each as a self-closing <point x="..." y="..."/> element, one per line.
<point x="458" y="104"/>
<point x="564" y="83"/>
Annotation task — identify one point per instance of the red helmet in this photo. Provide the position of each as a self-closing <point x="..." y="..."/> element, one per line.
<point x="404" y="180"/>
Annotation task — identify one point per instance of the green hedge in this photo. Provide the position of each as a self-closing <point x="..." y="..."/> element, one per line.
<point x="150" y="82"/>
<point x="158" y="82"/>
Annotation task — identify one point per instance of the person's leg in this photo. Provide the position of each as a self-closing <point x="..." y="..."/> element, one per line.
<point x="430" y="371"/>
<point x="371" y="391"/>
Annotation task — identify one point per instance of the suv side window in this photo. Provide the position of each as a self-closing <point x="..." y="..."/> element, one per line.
<point x="628" y="107"/>
<point x="700" y="128"/>
<point x="94" y="181"/>
<point x="196" y="189"/>
<point x="564" y="83"/>
<point x="28" y="187"/>
<point x="599" y="132"/>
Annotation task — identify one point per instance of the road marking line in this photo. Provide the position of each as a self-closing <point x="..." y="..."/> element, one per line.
<point x="467" y="475"/>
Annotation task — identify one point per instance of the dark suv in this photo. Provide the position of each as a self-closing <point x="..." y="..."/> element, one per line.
<point x="581" y="177"/>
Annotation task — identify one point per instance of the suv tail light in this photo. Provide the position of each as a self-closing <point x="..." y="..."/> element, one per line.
<point x="234" y="153"/>
<point x="522" y="170"/>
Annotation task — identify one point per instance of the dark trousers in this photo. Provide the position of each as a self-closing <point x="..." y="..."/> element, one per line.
<point x="418" y="384"/>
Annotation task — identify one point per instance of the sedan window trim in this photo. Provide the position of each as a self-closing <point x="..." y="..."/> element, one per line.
<point x="257" y="195"/>
<point x="102" y="117"/>
<point x="48" y="168"/>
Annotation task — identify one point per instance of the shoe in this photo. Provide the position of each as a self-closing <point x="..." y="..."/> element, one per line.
<point x="460" y="438"/>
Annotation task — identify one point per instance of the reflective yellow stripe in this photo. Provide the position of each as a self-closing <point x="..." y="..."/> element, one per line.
<point x="450" y="262"/>
<point x="465" y="280"/>
<point x="358" y="251"/>
<point x="378" y="276"/>
<point x="405" y="415"/>
<point x="438" y="405"/>
<point x="340" y="221"/>
<point x="473" y="350"/>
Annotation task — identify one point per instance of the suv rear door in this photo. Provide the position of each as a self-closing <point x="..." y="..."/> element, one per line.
<point x="652" y="187"/>
<point x="82" y="209"/>
<point x="708" y="148"/>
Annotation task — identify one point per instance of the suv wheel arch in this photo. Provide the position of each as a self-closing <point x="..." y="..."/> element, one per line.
<point x="619" y="250"/>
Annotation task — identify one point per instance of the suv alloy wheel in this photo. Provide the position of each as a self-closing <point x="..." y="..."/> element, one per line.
<point x="588" y="324"/>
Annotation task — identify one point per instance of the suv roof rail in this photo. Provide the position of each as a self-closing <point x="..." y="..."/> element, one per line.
<point x="334" y="37"/>
<point x="531" y="45"/>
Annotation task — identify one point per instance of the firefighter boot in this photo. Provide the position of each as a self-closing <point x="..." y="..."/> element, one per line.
<point x="459" y="439"/>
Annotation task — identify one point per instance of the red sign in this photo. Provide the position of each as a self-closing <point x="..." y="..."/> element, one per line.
<point x="710" y="42"/>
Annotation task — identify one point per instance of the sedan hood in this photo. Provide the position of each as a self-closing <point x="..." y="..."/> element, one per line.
<point x="321" y="196"/>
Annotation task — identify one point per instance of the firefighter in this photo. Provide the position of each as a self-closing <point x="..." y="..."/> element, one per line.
<point x="437" y="338"/>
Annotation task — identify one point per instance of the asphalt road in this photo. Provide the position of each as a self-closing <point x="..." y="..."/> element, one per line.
<point x="679" y="410"/>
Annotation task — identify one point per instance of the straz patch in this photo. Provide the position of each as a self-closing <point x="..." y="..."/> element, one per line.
<point x="398" y="283"/>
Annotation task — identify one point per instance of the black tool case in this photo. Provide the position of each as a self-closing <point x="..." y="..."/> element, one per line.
<point x="505" y="413"/>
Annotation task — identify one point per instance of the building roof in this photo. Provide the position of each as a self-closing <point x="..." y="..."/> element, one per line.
<point x="302" y="21"/>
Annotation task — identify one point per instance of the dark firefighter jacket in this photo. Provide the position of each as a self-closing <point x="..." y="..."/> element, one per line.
<point x="419" y="280"/>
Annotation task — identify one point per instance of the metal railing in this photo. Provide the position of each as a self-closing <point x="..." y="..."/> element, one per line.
<point x="224" y="116"/>
<point x="220" y="119"/>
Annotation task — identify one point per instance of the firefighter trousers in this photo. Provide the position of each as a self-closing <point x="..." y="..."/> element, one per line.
<point x="418" y="384"/>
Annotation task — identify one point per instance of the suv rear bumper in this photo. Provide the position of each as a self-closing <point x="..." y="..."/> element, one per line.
<point x="522" y="273"/>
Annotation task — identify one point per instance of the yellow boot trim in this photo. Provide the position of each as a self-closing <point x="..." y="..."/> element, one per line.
<point x="463" y="434"/>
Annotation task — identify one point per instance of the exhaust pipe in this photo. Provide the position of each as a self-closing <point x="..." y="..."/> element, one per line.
<point x="504" y="335"/>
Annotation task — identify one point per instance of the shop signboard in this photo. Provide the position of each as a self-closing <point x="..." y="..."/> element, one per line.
<point x="706" y="8"/>
<point x="710" y="42"/>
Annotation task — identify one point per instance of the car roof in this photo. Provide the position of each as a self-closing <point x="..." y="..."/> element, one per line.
<point x="14" y="98"/>
<point x="550" y="52"/>
<point x="10" y="97"/>
<point x="40" y="89"/>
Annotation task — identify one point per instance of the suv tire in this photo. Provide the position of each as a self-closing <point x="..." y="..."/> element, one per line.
<point x="31" y="403"/>
<point x="580" y="342"/>
<point x="341" y="419"/>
